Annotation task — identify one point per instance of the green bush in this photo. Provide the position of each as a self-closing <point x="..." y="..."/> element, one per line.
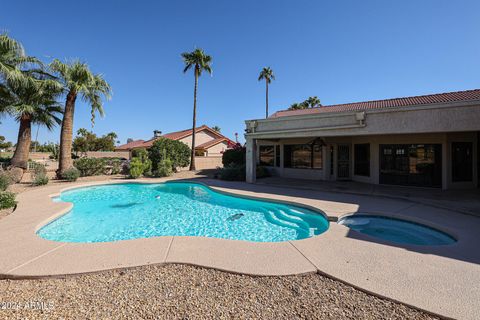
<point x="115" y="164"/>
<point x="71" y="174"/>
<point x="234" y="157"/>
<point x="6" y="160"/>
<point x="164" y="168"/>
<point x="262" y="172"/>
<point x="90" y="166"/>
<point x="5" y="180"/>
<point x="233" y="173"/>
<point x="7" y="200"/>
<point x="238" y="173"/>
<point x="40" y="180"/>
<point x="140" y="153"/>
<point x="176" y="151"/>
<point x="137" y="167"/>
<point x="39" y="175"/>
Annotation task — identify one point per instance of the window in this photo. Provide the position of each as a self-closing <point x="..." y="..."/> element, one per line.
<point x="277" y="156"/>
<point x="303" y="156"/>
<point x="266" y="155"/>
<point x="411" y="164"/>
<point x="362" y="159"/>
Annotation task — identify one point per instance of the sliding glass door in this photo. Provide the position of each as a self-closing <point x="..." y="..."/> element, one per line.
<point x="411" y="164"/>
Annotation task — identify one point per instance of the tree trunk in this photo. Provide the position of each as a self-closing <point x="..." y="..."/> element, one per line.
<point x="266" y="100"/>
<point x="65" y="157"/>
<point x="192" y="157"/>
<point x="20" y="157"/>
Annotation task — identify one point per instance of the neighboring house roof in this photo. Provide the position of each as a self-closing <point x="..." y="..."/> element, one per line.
<point x="130" y="145"/>
<point x="177" y="135"/>
<point x="468" y="95"/>
<point x="212" y="143"/>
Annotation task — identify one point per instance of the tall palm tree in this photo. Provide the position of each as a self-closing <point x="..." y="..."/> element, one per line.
<point x="77" y="79"/>
<point x="267" y="75"/>
<point x="217" y="128"/>
<point x="200" y="61"/>
<point x="34" y="102"/>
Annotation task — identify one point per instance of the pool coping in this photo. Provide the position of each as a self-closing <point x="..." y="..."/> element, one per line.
<point x="36" y="257"/>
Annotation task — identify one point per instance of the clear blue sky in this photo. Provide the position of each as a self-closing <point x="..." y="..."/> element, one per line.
<point x="340" y="51"/>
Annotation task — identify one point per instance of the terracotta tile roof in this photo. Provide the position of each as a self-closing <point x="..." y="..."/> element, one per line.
<point x="130" y="145"/>
<point x="211" y="143"/>
<point x="468" y="95"/>
<point x="184" y="133"/>
<point x="177" y="135"/>
<point x="146" y="144"/>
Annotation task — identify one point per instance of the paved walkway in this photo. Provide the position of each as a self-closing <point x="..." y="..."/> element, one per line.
<point x="440" y="279"/>
<point x="466" y="201"/>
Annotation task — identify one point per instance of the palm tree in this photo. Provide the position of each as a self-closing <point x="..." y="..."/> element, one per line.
<point x="217" y="128"/>
<point x="312" y="102"/>
<point x="200" y="61"/>
<point x="296" y="106"/>
<point x="31" y="103"/>
<point x="77" y="79"/>
<point x="13" y="59"/>
<point x="267" y="75"/>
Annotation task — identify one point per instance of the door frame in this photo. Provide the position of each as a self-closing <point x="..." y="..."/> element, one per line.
<point x="339" y="162"/>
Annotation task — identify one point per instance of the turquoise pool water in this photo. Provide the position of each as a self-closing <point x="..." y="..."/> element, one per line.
<point x="130" y="211"/>
<point x="396" y="230"/>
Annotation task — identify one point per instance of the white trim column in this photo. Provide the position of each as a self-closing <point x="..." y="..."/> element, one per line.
<point x="251" y="160"/>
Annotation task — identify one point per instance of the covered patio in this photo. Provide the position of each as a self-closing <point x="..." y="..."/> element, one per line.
<point x="428" y="141"/>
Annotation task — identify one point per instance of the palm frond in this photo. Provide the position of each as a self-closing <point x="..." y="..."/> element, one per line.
<point x="198" y="59"/>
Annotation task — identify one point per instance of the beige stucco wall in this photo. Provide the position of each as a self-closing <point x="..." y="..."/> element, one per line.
<point x="203" y="163"/>
<point x="200" y="138"/>
<point x="217" y="149"/>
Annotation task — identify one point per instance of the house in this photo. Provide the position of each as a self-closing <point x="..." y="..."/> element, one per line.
<point x="424" y="141"/>
<point x="209" y="143"/>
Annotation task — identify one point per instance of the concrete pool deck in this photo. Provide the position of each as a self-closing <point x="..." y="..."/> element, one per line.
<point x="440" y="279"/>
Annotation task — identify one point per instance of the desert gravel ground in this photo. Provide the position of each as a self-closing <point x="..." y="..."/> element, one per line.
<point x="186" y="292"/>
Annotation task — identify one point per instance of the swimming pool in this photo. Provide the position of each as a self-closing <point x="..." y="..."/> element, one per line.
<point x="134" y="210"/>
<point x="396" y="230"/>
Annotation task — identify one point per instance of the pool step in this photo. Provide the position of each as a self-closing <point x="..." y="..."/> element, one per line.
<point x="273" y="218"/>
<point x="292" y="219"/>
<point x="283" y="219"/>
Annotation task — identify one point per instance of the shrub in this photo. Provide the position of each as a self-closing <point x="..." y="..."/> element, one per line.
<point x="140" y="153"/>
<point x="116" y="165"/>
<point x="262" y="172"/>
<point x="238" y="173"/>
<point x="136" y="168"/>
<point x="40" y="180"/>
<point x="5" y="180"/>
<point x="90" y="166"/>
<point x="235" y="156"/>
<point x="233" y="173"/>
<point x="164" y="168"/>
<point x="177" y="151"/>
<point x="71" y="174"/>
<point x="126" y="168"/>
<point x="7" y="200"/>
<point x="39" y="175"/>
